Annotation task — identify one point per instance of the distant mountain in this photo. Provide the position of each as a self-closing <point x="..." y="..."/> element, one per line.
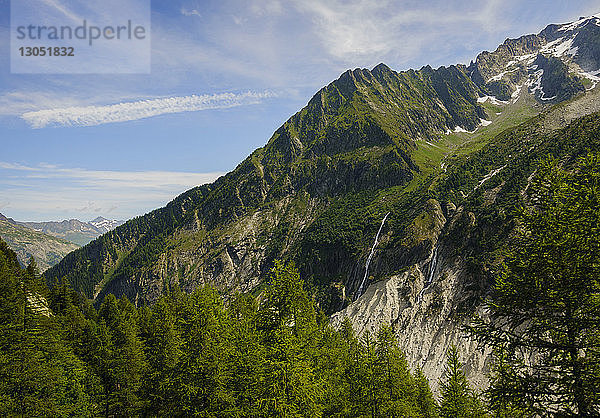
<point x="105" y="225"/>
<point x="419" y="172"/>
<point x="73" y="230"/>
<point x="25" y="242"/>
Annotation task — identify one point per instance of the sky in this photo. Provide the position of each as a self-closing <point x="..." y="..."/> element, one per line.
<point x="223" y="76"/>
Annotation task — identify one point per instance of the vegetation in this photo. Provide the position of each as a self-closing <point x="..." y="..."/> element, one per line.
<point x="194" y="355"/>
<point x="26" y="243"/>
<point x="458" y="399"/>
<point x="545" y="308"/>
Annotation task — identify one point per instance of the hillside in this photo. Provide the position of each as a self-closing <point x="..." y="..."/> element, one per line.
<point x="26" y="243"/>
<point x="446" y="152"/>
<point x="73" y="230"/>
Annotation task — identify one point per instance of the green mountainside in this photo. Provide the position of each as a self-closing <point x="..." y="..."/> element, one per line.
<point x="393" y="192"/>
<point x="371" y="142"/>
<point x="46" y="249"/>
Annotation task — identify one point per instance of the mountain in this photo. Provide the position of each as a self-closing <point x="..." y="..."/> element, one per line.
<point x="26" y="243"/>
<point x="393" y="192"/>
<point x="104" y="225"/>
<point x="73" y="230"/>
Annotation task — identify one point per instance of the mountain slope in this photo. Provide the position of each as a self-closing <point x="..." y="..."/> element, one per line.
<point x="354" y="135"/>
<point x="26" y="243"/>
<point x="446" y="152"/>
<point x="72" y="230"/>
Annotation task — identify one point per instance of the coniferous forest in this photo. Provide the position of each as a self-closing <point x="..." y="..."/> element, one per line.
<point x="193" y="355"/>
<point x="276" y="354"/>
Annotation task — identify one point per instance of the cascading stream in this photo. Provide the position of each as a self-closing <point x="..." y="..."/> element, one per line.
<point x="430" y="271"/>
<point x="360" y="289"/>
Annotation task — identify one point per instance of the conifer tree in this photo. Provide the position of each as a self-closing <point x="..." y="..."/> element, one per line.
<point x="425" y="401"/>
<point x="545" y="308"/>
<point x="288" y="324"/>
<point x="458" y="400"/>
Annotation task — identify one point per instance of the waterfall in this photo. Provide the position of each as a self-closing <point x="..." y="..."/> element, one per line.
<point x="360" y="289"/>
<point x="430" y="271"/>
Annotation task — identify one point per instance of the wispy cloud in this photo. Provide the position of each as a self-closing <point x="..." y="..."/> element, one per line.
<point x="80" y="192"/>
<point x="121" y="112"/>
<point x="107" y="178"/>
<point x="359" y="30"/>
<point x="190" y="12"/>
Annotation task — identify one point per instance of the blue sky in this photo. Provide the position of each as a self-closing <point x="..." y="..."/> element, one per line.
<point x="224" y="75"/>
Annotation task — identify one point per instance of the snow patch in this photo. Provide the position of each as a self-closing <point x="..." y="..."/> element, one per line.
<point x="535" y="85"/>
<point x="498" y="77"/>
<point x="493" y="100"/>
<point x="574" y="25"/>
<point x="520" y="58"/>
<point x="484" y="122"/>
<point x="592" y="76"/>
<point x="515" y="95"/>
<point x="560" y="47"/>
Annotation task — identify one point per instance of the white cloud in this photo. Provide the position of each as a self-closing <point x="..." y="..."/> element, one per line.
<point x="48" y="191"/>
<point x="266" y="7"/>
<point x="363" y="30"/>
<point x="190" y="12"/>
<point x="107" y="178"/>
<point x="58" y="6"/>
<point x="121" y="112"/>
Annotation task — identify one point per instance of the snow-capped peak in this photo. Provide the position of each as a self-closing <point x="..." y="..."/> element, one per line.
<point x="104" y="224"/>
<point x="580" y="22"/>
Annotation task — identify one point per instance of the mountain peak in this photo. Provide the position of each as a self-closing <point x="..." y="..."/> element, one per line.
<point x="99" y="219"/>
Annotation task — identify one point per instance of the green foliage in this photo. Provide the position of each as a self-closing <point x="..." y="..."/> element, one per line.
<point x="195" y="355"/>
<point x="458" y="400"/>
<point x="545" y="306"/>
<point x="39" y="373"/>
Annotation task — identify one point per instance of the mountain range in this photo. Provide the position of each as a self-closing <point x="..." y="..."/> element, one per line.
<point x="72" y="230"/>
<point x="393" y="192"/>
<point x="49" y="242"/>
<point x="47" y="250"/>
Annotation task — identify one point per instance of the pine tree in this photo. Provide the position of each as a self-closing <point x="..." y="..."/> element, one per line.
<point x="203" y="370"/>
<point x="39" y="375"/>
<point x="545" y="308"/>
<point x="122" y="361"/>
<point x="288" y="324"/>
<point x="396" y="387"/>
<point x="458" y="400"/>
<point x="162" y="345"/>
<point x="425" y="401"/>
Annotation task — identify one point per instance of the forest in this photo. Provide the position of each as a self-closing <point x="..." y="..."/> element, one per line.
<point x="276" y="355"/>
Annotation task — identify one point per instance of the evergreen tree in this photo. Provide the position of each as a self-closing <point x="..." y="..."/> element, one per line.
<point x="458" y="400"/>
<point x="162" y="345"/>
<point x="545" y="308"/>
<point x="121" y="362"/>
<point x="39" y="375"/>
<point x="201" y="375"/>
<point x="288" y="323"/>
<point x="425" y="401"/>
<point x="396" y="387"/>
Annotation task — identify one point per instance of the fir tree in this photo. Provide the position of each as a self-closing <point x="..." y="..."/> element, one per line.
<point x="545" y="308"/>
<point x="458" y="400"/>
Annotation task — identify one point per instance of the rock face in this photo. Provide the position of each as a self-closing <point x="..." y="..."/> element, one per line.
<point x="427" y="306"/>
<point x="446" y="152"/>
